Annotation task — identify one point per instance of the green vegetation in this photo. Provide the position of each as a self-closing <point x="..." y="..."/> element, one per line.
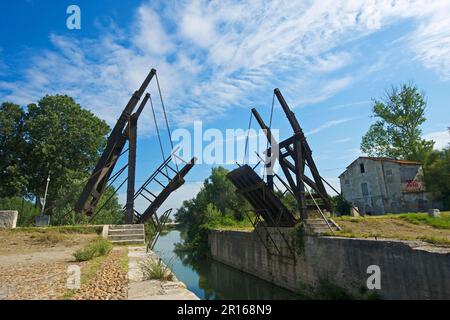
<point x="80" y="229"/>
<point x="340" y="205"/>
<point x="326" y="290"/>
<point x="396" y="133"/>
<point x="407" y="226"/>
<point x="437" y="176"/>
<point x="124" y="260"/>
<point x="217" y="205"/>
<point x="99" y="247"/>
<point x="27" y="210"/>
<point x="442" y="222"/>
<point x="88" y="273"/>
<point x="156" y="270"/>
<point x="58" y="138"/>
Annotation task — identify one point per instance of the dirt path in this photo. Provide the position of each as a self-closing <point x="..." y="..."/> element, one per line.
<point x="34" y="266"/>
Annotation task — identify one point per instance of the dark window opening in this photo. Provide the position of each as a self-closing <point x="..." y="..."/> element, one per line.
<point x="361" y="167"/>
<point x="364" y="189"/>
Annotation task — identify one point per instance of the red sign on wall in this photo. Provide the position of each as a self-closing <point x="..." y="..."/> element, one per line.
<point x="412" y="186"/>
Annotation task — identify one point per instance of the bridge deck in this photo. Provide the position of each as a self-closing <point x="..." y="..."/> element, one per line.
<point x="261" y="198"/>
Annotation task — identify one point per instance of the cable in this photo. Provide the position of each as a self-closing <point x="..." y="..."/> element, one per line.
<point x="247" y="138"/>
<point x="157" y="131"/>
<point x="165" y="117"/>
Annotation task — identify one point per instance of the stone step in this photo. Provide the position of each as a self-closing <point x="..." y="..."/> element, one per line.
<point x="125" y="231"/>
<point x="128" y="241"/>
<point x="126" y="226"/>
<point x="127" y="237"/>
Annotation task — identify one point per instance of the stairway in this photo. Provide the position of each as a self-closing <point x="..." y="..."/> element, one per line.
<point x="319" y="226"/>
<point x="126" y="234"/>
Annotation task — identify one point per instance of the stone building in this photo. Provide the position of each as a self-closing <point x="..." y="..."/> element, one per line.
<point x="382" y="185"/>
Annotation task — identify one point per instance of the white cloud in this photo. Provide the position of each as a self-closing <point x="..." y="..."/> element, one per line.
<point x="152" y="37"/>
<point x="213" y="56"/>
<point x="351" y="104"/>
<point x="197" y="25"/>
<point x="329" y="124"/>
<point x="343" y="140"/>
<point x="441" y="139"/>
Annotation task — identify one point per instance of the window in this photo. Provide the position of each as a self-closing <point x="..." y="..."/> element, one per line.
<point x="364" y="189"/>
<point x="389" y="172"/>
<point x="347" y="181"/>
<point x="361" y="167"/>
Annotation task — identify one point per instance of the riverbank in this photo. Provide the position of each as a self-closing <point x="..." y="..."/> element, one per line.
<point x="212" y="280"/>
<point x="407" y="270"/>
<point x="140" y="287"/>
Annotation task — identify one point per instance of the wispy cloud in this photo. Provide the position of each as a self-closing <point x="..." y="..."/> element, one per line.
<point x="441" y="139"/>
<point x="213" y="56"/>
<point x="329" y="124"/>
<point x="351" y="104"/>
<point x="343" y="140"/>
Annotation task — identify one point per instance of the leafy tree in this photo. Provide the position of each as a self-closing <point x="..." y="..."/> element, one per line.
<point x="63" y="208"/>
<point x="340" y="205"/>
<point x="63" y="141"/>
<point x="26" y="208"/>
<point x="13" y="181"/>
<point x="55" y="137"/>
<point x="437" y="176"/>
<point x="396" y="133"/>
<point x="217" y="204"/>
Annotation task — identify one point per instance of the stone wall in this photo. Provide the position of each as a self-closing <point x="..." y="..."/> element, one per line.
<point x="8" y="219"/>
<point x="385" y="182"/>
<point x="408" y="271"/>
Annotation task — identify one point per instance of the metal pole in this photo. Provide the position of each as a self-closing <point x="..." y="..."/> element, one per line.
<point x="45" y="195"/>
<point x="131" y="169"/>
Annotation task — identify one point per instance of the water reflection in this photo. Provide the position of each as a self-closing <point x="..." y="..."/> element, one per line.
<point x="211" y="280"/>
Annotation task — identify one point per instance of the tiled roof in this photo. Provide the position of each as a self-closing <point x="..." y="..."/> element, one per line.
<point x="407" y="162"/>
<point x="391" y="160"/>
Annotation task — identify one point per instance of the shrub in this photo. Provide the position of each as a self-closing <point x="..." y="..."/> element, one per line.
<point x="99" y="247"/>
<point x="156" y="270"/>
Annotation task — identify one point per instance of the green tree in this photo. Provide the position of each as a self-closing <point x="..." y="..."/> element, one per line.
<point x="12" y="147"/>
<point x="63" y="141"/>
<point x="437" y="175"/>
<point x="340" y="205"/>
<point x="396" y="133"/>
<point x="55" y="137"/>
<point x="216" y="204"/>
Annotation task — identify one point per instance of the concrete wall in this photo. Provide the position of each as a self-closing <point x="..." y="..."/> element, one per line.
<point x="8" y="219"/>
<point x="407" y="272"/>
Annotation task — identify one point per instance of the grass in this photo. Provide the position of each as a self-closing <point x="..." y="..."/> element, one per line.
<point x="88" y="273"/>
<point x="406" y="226"/>
<point x="99" y="247"/>
<point x="156" y="270"/>
<point x="124" y="260"/>
<point x="80" y="229"/>
<point x="442" y="222"/>
<point x="228" y="223"/>
<point x="47" y="238"/>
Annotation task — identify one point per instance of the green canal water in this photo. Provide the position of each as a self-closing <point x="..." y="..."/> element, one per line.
<point x="211" y="280"/>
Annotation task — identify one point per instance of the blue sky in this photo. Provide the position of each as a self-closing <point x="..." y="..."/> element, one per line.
<point x="217" y="60"/>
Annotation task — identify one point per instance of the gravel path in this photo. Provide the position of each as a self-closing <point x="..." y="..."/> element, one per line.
<point x="110" y="282"/>
<point x="33" y="281"/>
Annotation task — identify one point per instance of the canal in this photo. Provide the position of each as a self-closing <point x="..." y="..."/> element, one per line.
<point x="211" y="280"/>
